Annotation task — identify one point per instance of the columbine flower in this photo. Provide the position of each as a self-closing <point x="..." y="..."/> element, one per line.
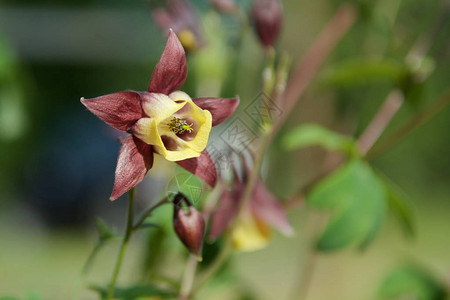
<point x="267" y="15"/>
<point x="162" y="120"/>
<point x="180" y="16"/>
<point x="251" y="231"/>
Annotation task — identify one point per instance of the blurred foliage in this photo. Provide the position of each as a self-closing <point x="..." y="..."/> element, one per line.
<point x="400" y="206"/>
<point x="137" y="292"/>
<point x="315" y="135"/>
<point x="363" y="71"/>
<point x="14" y="114"/>
<point x="357" y="199"/>
<point x="412" y="282"/>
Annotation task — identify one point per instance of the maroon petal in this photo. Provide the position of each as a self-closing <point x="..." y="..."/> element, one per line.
<point x="220" y="108"/>
<point x="226" y="210"/>
<point x="203" y="167"/>
<point x="171" y="70"/>
<point x="120" y="110"/>
<point x="266" y="206"/>
<point x="135" y="159"/>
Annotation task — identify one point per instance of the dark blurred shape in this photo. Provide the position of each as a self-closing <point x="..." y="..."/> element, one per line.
<point x="267" y="15"/>
<point x="79" y="34"/>
<point x="180" y="16"/>
<point x="189" y="226"/>
<point x="65" y="177"/>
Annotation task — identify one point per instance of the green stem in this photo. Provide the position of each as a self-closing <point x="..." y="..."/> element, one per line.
<point x="415" y="122"/>
<point x="269" y="72"/>
<point x="255" y="173"/>
<point x="380" y="121"/>
<point x="188" y="278"/>
<point x="214" y="267"/>
<point x="91" y="257"/>
<point x="124" y="245"/>
<point x="148" y="212"/>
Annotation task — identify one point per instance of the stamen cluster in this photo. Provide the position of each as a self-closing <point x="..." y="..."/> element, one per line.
<point x="179" y="126"/>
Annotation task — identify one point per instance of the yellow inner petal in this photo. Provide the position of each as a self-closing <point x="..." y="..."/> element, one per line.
<point x="155" y="130"/>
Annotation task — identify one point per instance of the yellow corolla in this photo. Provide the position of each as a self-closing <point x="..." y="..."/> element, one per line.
<point x="175" y="126"/>
<point x="250" y="233"/>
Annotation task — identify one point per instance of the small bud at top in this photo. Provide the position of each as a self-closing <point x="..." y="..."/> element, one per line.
<point x="268" y="16"/>
<point x="225" y="6"/>
<point x="189" y="226"/>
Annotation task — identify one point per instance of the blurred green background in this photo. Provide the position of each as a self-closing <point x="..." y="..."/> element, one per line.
<point x="57" y="160"/>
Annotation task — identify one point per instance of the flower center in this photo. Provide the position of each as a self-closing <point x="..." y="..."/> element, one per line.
<point x="179" y="126"/>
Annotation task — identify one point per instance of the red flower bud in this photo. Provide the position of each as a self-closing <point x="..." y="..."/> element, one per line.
<point x="189" y="226"/>
<point x="267" y="15"/>
<point x="225" y="6"/>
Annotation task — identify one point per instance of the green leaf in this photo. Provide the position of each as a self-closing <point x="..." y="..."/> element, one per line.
<point x="400" y="206"/>
<point x="412" y="282"/>
<point x="134" y="292"/>
<point x="8" y="298"/>
<point x="365" y="70"/>
<point x="104" y="231"/>
<point x="315" y="135"/>
<point x="357" y="199"/>
<point x="148" y="224"/>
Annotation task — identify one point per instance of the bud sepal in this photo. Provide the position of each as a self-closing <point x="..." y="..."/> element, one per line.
<point x="189" y="225"/>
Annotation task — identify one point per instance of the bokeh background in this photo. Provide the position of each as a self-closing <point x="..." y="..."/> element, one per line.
<point x="57" y="160"/>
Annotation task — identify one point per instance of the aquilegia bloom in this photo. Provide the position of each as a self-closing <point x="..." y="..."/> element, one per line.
<point x="162" y="120"/>
<point x="251" y="232"/>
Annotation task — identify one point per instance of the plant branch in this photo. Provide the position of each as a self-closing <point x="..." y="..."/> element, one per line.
<point x="91" y="257"/>
<point x="148" y="212"/>
<point x="215" y="266"/>
<point x="188" y="278"/>
<point x="415" y="122"/>
<point x="123" y="247"/>
<point x="314" y="57"/>
<point x="380" y="121"/>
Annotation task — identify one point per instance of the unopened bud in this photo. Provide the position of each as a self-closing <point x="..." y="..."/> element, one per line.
<point x="225" y="6"/>
<point x="189" y="225"/>
<point x="268" y="16"/>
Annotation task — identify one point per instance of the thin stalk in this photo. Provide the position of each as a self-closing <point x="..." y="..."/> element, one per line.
<point x="148" y="212"/>
<point x="380" y="121"/>
<point x="214" y="267"/>
<point x="314" y="57"/>
<point x="309" y="268"/>
<point x="188" y="278"/>
<point x="254" y="174"/>
<point x="91" y="257"/>
<point x="123" y="247"/>
<point x="416" y="121"/>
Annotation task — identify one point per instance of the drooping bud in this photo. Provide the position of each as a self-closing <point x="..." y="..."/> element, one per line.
<point x="267" y="16"/>
<point x="189" y="225"/>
